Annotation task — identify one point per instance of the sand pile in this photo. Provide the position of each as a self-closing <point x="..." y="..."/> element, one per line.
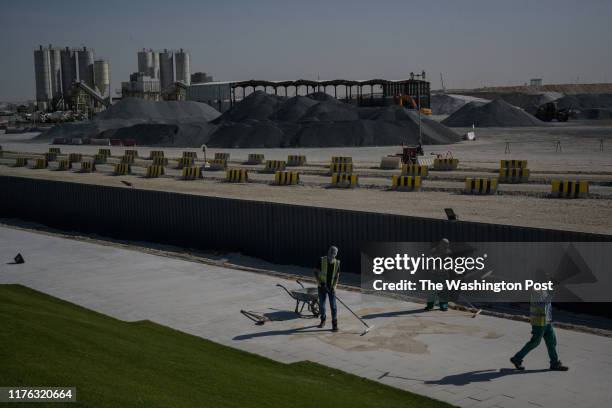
<point x="167" y="123"/>
<point x="497" y="113"/>
<point x="447" y="104"/>
<point x="262" y="120"/>
<point x="520" y="99"/>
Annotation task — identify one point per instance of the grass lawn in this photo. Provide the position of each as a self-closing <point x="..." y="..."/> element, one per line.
<point x="112" y="363"/>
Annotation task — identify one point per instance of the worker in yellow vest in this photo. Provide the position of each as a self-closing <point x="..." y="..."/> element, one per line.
<point x="540" y="311"/>
<point x="327" y="272"/>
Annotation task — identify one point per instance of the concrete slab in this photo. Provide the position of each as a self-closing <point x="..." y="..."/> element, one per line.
<point x="447" y="356"/>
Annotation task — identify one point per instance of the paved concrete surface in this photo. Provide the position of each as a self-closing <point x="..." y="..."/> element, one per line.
<point x="448" y="356"/>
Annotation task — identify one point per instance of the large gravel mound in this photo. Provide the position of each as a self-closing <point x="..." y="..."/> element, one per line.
<point x="497" y="113"/>
<point x="158" y="112"/>
<point x="447" y="104"/>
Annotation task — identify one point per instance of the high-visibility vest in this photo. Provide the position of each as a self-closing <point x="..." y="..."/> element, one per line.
<point x="323" y="271"/>
<point x="537" y="311"/>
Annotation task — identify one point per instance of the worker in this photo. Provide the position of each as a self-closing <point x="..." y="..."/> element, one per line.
<point x="327" y="272"/>
<point x="442" y="249"/>
<point x="540" y="311"/>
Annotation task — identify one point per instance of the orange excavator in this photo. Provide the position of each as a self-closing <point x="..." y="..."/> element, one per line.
<point x="407" y="101"/>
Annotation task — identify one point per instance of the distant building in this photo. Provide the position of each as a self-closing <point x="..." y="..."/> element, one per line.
<point x="167" y="66"/>
<point x="535" y="82"/>
<point x="141" y="86"/>
<point x="200" y="78"/>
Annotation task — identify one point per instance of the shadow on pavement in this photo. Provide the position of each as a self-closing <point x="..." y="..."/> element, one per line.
<point x="299" y="330"/>
<point x="480" y="376"/>
<point x="394" y="314"/>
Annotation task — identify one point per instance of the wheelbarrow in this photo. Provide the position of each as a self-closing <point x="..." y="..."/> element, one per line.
<point x="304" y="297"/>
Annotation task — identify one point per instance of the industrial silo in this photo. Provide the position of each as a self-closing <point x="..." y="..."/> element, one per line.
<point x="69" y="72"/>
<point x="85" y="61"/>
<point x="182" y="67"/>
<point x="42" y="77"/>
<point x="166" y="69"/>
<point x="101" y="76"/>
<point x="55" y="73"/>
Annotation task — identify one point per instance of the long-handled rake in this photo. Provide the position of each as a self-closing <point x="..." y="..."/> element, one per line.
<point x="367" y="326"/>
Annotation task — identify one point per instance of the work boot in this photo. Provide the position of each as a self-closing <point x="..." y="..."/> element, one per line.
<point x="322" y="324"/>
<point x="334" y="326"/>
<point x="429" y="306"/>
<point x="558" y="366"/>
<point x="518" y="364"/>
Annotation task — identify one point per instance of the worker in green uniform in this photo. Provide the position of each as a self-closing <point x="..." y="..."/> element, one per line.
<point x="327" y="272"/>
<point x="442" y="250"/>
<point x="540" y="311"/>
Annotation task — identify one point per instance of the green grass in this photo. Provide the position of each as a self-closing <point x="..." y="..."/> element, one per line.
<point x="45" y="341"/>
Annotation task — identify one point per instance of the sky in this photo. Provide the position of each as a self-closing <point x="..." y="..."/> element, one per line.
<point x="472" y="43"/>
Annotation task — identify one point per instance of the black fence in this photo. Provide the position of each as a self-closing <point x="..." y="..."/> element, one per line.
<point x="280" y="233"/>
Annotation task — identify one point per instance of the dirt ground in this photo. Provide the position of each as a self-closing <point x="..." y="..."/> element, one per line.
<point x="523" y="205"/>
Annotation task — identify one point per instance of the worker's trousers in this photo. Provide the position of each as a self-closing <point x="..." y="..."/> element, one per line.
<point x="323" y="294"/>
<point x="537" y="333"/>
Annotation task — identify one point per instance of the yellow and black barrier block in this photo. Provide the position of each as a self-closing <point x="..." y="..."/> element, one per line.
<point x="236" y="176"/>
<point x="445" y="164"/>
<point x="184" y="162"/>
<point x="341" y="159"/>
<point x="415" y="170"/>
<point x="294" y="160"/>
<point x="128" y="159"/>
<point x="480" y="186"/>
<point x="192" y="155"/>
<point x="570" y="188"/>
<point x="75" y="157"/>
<point x="160" y="161"/>
<point x="20" y="162"/>
<point x="407" y="183"/>
<point x="155" y="154"/>
<point x="88" y="166"/>
<point x="218" y="164"/>
<point x="133" y="153"/>
<point x="272" y="166"/>
<point x="39" y="163"/>
<point x="222" y="156"/>
<point x="255" y="158"/>
<point x="104" y="152"/>
<point x="121" y="169"/>
<point x="154" y="171"/>
<point x="285" y="178"/>
<point x="335" y="168"/>
<point x="55" y="150"/>
<point x="192" y="173"/>
<point x="513" y="175"/>
<point x="100" y="158"/>
<point x="513" y="164"/>
<point x="344" y="180"/>
<point x="64" y="165"/>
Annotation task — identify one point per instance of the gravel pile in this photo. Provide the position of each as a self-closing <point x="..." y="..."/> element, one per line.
<point x="497" y="113"/>
<point x="319" y="120"/>
<point x="447" y="104"/>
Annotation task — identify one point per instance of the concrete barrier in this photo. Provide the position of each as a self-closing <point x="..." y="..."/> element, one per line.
<point x="39" y="163"/>
<point x="130" y="152"/>
<point x="344" y="180"/>
<point x="513" y="175"/>
<point x="415" y="170"/>
<point x="192" y="173"/>
<point x="408" y="183"/>
<point x="20" y="162"/>
<point x="154" y="171"/>
<point x="284" y="178"/>
<point x="155" y="154"/>
<point x="335" y="168"/>
<point x="184" y="162"/>
<point x="570" y="188"/>
<point x="236" y="176"/>
<point x="99" y="142"/>
<point x="75" y="157"/>
<point x="192" y="155"/>
<point x="341" y="159"/>
<point x="296" y="160"/>
<point x="128" y="159"/>
<point x="480" y="186"/>
<point x="272" y="166"/>
<point x="222" y="156"/>
<point x="160" y="161"/>
<point x="64" y="164"/>
<point x="55" y="150"/>
<point x="255" y="158"/>
<point x="445" y="164"/>
<point x="218" y="164"/>
<point x="100" y="158"/>
<point x="121" y="169"/>
<point x="88" y="166"/>
<point x="104" y="152"/>
<point x="513" y="164"/>
<point x="390" y="162"/>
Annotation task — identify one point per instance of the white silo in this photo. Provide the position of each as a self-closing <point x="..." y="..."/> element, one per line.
<point x="102" y="77"/>
<point x="85" y="61"/>
<point x="42" y="77"/>
<point x="182" y="67"/>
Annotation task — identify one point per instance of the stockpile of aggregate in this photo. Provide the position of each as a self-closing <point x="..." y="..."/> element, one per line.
<point x="167" y="123"/>
<point x="497" y="113"/>
<point x="262" y="120"/>
<point x="520" y="99"/>
<point x="447" y="104"/>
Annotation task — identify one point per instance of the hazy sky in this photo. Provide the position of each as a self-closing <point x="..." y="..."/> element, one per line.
<point x="472" y="43"/>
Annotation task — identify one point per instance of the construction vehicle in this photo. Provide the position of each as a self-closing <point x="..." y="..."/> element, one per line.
<point x="408" y="102"/>
<point x="550" y="111"/>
